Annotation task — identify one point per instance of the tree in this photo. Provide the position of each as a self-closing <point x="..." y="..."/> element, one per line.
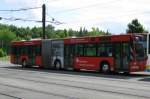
<point x="97" y="32"/>
<point x="36" y="32"/>
<point x="6" y="36"/>
<point x="136" y="27"/>
<point x="66" y="33"/>
<point x="82" y="32"/>
<point x="72" y="33"/>
<point x="2" y="52"/>
<point x="50" y="31"/>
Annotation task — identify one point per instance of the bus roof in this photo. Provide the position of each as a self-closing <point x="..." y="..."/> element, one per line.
<point x="21" y="43"/>
<point x="86" y="39"/>
<point x="94" y="39"/>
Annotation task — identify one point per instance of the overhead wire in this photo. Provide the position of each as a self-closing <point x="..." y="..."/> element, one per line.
<point x="21" y="9"/>
<point x="78" y="8"/>
<point x="54" y="19"/>
<point x="29" y="20"/>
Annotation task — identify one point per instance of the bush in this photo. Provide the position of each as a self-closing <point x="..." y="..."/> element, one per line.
<point x="2" y="54"/>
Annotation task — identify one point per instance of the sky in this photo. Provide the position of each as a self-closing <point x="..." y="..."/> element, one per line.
<point x="107" y="15"/>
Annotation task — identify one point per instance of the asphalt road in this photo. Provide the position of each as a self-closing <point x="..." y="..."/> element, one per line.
<point x="33" y="83"/>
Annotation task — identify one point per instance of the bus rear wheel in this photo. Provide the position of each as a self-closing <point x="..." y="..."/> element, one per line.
<point x="24" y="63"/>
<point x="105" y="68"/>
<point x="57" y="65"/>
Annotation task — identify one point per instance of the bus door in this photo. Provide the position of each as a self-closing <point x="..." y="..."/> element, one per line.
<point x="121" y="54"/>
<point x="125" y="56"/>
<point x="17" y="54"/>
<point x="31" y="55"/>
<point x="117" y="56"/>
<point x="69" y="56"/>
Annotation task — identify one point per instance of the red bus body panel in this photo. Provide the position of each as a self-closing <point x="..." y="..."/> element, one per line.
<point x="25" y="43"/>
<point x="38" y="61"/>
<point x="92" y="63"/>
<point x="24" y="57"/>
<point x="135" y="66"/>
<point x="12" y="58"/>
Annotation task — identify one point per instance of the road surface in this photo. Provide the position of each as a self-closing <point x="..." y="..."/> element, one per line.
<point x="33" y="83"/>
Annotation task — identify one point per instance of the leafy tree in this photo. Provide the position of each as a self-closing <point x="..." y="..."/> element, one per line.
<point x="26" y="33"/>
<point x="3" y="26"/>
<point x="82" y="32"/>
<point x="59" y="34"/>
<point x="71" y="33"/>
<point x="66" y="34"/>
<point x="50" y="31"/>
<point x="135" y="27"/>
<point x="6" y="36"/>
<point x="2" y="52"/>
<point x="97" y="32"/>
<point x="13" y="29"/>
<point x="36" y="32"/>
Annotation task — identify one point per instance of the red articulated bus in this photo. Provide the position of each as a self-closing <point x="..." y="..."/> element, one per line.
<point x="116" y="53"/>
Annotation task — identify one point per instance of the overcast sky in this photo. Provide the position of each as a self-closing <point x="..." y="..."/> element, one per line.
<point x="111" y="15"/>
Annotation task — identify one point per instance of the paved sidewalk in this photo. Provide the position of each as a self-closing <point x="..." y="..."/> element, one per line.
<point x="144" y="73"/>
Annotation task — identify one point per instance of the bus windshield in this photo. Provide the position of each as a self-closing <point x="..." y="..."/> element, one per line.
<point x="140" y="51"/>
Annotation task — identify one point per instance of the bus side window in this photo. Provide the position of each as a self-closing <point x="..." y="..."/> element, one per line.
<point x="18" y="52"/>
<point x="13" y="50"/>
<point x="79" y="50"/>
<point x="90" y="50"/>
<point x="101" y="50"/>
<point x="104" y="50"/>
<point x="104" y="54"/>
<point x="38" y="49"/>
<point x="110" y="52"/>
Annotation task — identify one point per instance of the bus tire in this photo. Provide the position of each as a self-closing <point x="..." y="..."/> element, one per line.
<point x="105" y="67"/>
<point x="57" y="64"/>
<point x="24" y="63"/>
<point x="126" y="73"/>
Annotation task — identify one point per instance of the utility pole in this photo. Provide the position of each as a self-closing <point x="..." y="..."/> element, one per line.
<point x="43" y="19"/>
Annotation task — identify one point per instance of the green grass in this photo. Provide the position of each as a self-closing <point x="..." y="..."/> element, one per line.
<point x="6" y="58"/>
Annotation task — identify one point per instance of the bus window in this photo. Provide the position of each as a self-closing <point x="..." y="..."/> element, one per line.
<point x="104" y="50"/>
<point x="140" y="53"/>
<point x="38" y="49"/>
<point x="125" y="54"/>
<point x="13" y="50"/>
<point x="23" y="49"/>
<point x="18" y="50"/>
<point x="79" y="49"/>
<point x="90" y="50"/>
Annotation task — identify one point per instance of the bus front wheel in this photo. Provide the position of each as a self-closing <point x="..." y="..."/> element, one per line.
<point x="105" y="68"/>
